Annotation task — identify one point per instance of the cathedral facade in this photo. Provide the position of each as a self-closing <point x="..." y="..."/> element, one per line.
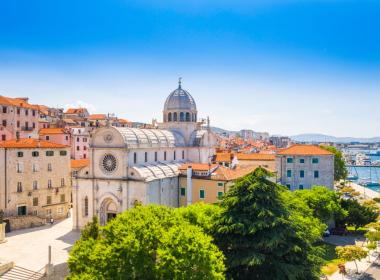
<point x="129" y="166"/>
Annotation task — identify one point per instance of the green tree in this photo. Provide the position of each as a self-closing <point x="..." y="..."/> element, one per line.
<point x="340" y="169"/>
<point x="324" y="203"/>
<point x="91" y="230"/>
<point x="358" y="215"/>
<point x="351" y="253"/>
<point x="262" y="236"/>
<point x="147" y="242"/>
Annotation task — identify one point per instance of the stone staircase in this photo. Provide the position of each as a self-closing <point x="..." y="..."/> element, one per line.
<point x="20" y="273"/>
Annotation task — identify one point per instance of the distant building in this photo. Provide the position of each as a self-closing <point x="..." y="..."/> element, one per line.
<point x="80" y="139"/>
<point x="207" y="183"/>
<point x="280" y="141"/>
<point x="18" y="116"/>
<point x="35" y="181"/>
<point x="56" y="135"/>
<point x="304" y="166"/>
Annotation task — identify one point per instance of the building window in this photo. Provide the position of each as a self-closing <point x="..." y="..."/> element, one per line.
<point x="84" y="155"/>
<point x="18" y="111"/>
<point x="289" y="160"/>
<point x="301" y="187"/>
<point x="26" y="112"/>
<point x="3" y="137"/>
<point x="35" y="201"/>
<point x="35" y="167"/>
<point x="20" y="167"/>
<point x="174" y="155"/>
<point x="183" y="191"/>
<point x="182" y="117"/>
<point x="20" y="154"/>
<point x="62" y="182"/>
<point x="174" y="116"/>
<point x="187" y="117"/>
<point x="201" y="194"/>
<point x="84" y="148"/>
<point x="220" y="184"/>
<point x="18" y="124"/>
<point x="62" y="153"/>
<point x="170" y="117"/>
<point x="135" y="158"/>
<point x="35" y="185"/>
<point x="146" y="156"/>
<point x="288" y="186"/>
<point x="63" y="198"/>
<point x="155" y="156"/>
<point x="302" y="160"/>
<point x="77" y="139"/>
<point x="35" y="154"/>
<point x="49" y="167"/>
<point x="49" y="184"/>
<point x="86" y="206"/>
<point x="21" y="210"/>
<point x="33" y="113"/>
<point x="47" y="137"/>
<point x="315" y="160"/>
<point x="220" y="195"/>
<point x="4" y="109"/>
<point x="302" y="173"/>
<point x="316" y="174"/>
<point x="289" y="173"/>
<point x="165" y="155"/>
<point x="60" y="210"/>
<point x="77" y="148"/>
<point x="67" y="138"/>
<point x="34" y="125"/>
<point x="84" y="139"/>
<point x="4" y="123"/>
<point x="48" y="212"/>
<point x="19" y="187"/>
<point x="183" y="154"/>
<point x="48" y="200"/>
<point x="49" y="153"/>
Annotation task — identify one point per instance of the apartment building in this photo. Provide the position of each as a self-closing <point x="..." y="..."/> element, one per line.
<point x="304" y="166"/>
<point x="17" y="115"/>
<point x="34" y="179"/>
<point x="80" y="142"/>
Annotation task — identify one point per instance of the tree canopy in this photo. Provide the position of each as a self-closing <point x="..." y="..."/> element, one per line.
<point x="264" y="237"/>
<point x="340" y="170"/>
<point x="358" y="215"/>
<point x="147" y="242"/>
<point x="324" y="203"/>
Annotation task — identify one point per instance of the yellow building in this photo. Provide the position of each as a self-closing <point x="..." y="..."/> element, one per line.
<point x="208" y="183"/>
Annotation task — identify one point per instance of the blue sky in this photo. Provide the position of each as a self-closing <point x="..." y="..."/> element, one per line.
<point x="283" y="66"/>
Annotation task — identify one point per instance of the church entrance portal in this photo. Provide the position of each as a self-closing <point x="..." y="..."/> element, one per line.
<point x="108" y="211"/>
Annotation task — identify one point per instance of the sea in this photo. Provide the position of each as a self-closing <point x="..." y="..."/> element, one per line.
<point x="366" y="173"/>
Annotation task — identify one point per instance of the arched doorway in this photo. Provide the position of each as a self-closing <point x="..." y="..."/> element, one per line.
<point x="108" y="210"/>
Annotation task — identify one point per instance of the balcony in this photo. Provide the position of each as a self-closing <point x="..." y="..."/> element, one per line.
<point x="26" y="128"/>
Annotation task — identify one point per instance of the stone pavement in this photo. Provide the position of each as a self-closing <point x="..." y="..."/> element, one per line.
<point x="28" y="248"/>
<point x="366" y="193"/>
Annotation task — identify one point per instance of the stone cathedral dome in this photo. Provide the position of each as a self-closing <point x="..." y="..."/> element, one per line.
<point x="180" y="106"/>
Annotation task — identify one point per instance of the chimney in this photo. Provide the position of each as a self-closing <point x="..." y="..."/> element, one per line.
<point x="17" y="135"/>
<point x="189" y="185"/>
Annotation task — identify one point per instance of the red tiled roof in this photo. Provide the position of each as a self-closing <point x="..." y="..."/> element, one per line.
<point x="223" y="157"/>
<point x="227" y="174"/>
<point x="97" y="117"/>
<point x="268" y="157"/>
<point x="79" y="163"/>
<point x="198" y="166"/>
<point x="17" y="102"/>
<point x="305" y="150"/>
<point x="29" y="143"/>
<point x="48" y="131"/>
<point x="76" y="111"/>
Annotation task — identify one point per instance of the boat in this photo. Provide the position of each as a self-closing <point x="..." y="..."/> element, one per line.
<point x="362" y="160"/>
<point x="352" y="177"/>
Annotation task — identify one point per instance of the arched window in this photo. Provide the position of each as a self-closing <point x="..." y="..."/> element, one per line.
<point x="174" y="116"/>
<point x="174" y="155"/>
<point x="165" y="155"/>
<point x="155" y="156"/>
<point x="86" y="206"/>
<point x="182" y="117"/>
<point x="146" y="156"/>
<point x="170" y="117"/>
<point x="188" y="117"/>
<point x="183" y="154"/>
<point x="134" y="158"/>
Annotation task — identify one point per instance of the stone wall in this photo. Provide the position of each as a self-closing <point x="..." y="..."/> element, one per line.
<point x="25" y="222"/>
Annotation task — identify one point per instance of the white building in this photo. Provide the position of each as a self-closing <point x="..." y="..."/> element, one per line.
<point x="304" y="166"/>
<point x="131" y="165"/>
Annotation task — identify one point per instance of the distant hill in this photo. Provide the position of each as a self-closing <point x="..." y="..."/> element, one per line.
<point x="328" y="138"/>
<point x="219" y="130"/>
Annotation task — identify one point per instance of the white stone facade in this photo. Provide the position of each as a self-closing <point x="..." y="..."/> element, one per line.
<point x="130" y="165"/>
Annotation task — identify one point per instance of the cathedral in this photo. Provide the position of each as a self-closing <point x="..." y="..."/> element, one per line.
<point x="129" y="166"/>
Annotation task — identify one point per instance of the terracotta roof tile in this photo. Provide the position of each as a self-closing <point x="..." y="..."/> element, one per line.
<point x="29" y="143"/>
<point x="79" y="163"/>
<point x="268" y="157"/>
<point x="198" y="166"/>
<point x="304" y="150"/>
<point x="17" y="102"/>
<point x="97" y="117"/>
<point x="49" y="131"/>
